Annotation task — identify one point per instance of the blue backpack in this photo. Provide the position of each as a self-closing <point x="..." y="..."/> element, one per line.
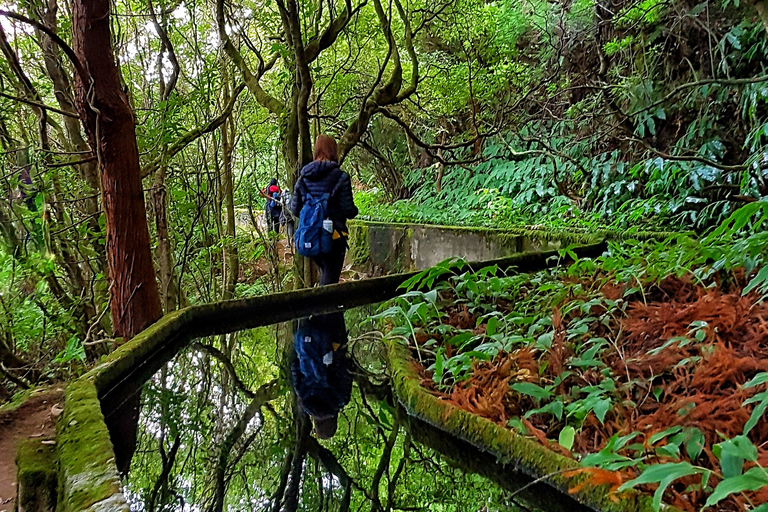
<point x="314" y="351"/>
<point x="310" y="237"/>
<point x="274" y="203"/>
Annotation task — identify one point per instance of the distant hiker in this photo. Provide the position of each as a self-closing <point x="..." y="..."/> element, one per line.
<point x="321" y="370"/>
<point x="322" y="200"/>
<point x="273" y="210"/>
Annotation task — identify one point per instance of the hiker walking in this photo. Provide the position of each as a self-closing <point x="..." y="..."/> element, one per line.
<point x="320" y="371"/>
<point x="273" y="210"/>
<point x="322" y="200"/>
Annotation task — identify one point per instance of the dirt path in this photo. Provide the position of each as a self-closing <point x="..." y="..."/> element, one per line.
<point x="32" y="419"/>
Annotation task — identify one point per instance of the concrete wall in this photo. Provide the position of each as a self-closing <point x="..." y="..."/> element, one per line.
<point x="388" y="247"/>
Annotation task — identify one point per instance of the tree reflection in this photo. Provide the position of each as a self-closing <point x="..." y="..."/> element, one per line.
<point x="226" y="432"/>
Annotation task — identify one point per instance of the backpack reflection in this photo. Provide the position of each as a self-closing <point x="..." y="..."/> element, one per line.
<point x="321" y="370"/>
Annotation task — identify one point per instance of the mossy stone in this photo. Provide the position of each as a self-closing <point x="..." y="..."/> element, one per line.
<point x="87" y="472"/>
<point x="36" y="476"/>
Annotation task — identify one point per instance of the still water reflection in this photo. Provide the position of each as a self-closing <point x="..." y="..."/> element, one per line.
<point x="273" y="421"/>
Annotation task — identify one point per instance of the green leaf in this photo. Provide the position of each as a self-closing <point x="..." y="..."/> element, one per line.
<point x="754" y="479"/>
<point x="658" y="436"/>
<point x="601" y="408"/>
<point x="759" y="280"/>
<point x="732" y="454"/>
<point x="760" y="378"/>
<point x="694" y="442"/>
<point x="490" y="329"/>
<point x="554" y="408"/>
<point x="533" y="390"/>
<point x="460" y="339"/>
<point x="438" y="375"/>
<point x="758" y="411"/>
<point x="663" y="474"/>
<point x="566" y="437"/>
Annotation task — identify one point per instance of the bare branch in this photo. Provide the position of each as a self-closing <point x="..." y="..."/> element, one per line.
<point x="39" y="105"/>
<point x="251" y="81"/>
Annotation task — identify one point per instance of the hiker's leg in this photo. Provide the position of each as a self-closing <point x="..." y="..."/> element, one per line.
<point x="333" y="262"/>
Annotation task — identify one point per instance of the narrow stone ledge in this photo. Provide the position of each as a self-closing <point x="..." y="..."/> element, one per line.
<point x="88" y="478"/>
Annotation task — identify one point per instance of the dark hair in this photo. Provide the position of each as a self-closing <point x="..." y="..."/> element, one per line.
<point x="325" y="148"/>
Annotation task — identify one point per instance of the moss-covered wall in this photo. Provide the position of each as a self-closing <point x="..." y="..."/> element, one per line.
<point x="88" y="479"/>
<point x="36" y="476"/>
<point x="380" y="247"/>
<point x="510" y="449"/>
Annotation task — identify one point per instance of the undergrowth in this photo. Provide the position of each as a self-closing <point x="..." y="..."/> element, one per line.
<point x="647" y="364"/>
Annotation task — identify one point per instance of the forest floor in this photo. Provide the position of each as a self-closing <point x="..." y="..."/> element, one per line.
<point x="667" y="371"/>
<point x="34" y="418"/>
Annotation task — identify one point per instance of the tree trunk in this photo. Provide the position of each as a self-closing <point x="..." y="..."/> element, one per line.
<point x="231" y="263"/>
<point x="134" y="298"/>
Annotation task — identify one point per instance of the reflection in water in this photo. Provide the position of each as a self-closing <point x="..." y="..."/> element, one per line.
<point x="221" y="430"/>
<point x="321" y="370"/>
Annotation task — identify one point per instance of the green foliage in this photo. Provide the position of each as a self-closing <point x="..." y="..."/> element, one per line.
<point x="450" y="353"/>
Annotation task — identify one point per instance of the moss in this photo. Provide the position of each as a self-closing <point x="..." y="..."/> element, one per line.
<point x="87" y="472"/>
<point x="36" y="476"/>
<point x="141" y="346"/>
<point x="506" y="445"/>
<point x="359" y="249"/>
<point x="573" y="234"/>
<point x="20" y="398"/>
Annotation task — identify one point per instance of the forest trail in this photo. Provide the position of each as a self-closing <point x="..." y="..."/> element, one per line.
<point x="33" y="419"/>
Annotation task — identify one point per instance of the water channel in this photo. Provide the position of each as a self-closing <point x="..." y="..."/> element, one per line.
<point x="204" y="443"/>
<point x="283" y="403"/>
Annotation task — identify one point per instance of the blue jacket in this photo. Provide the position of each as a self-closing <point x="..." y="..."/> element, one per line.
<point x="323" y="177"/>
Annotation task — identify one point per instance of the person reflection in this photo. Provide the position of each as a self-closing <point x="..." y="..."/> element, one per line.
<point x="321" y="370"/>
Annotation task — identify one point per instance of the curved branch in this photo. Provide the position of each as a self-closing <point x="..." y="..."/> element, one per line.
<point x="317" y="44"/>
<point x="692" y="158"/>
<point x="166" y="42"/>
<point x="193" y="135"/>
<point x="264" y="394"/>
<point x="333" y="466"/>
<point x="251" y="81"/>
<point x="219" y="355"/>
<point x="84" y="76"/>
